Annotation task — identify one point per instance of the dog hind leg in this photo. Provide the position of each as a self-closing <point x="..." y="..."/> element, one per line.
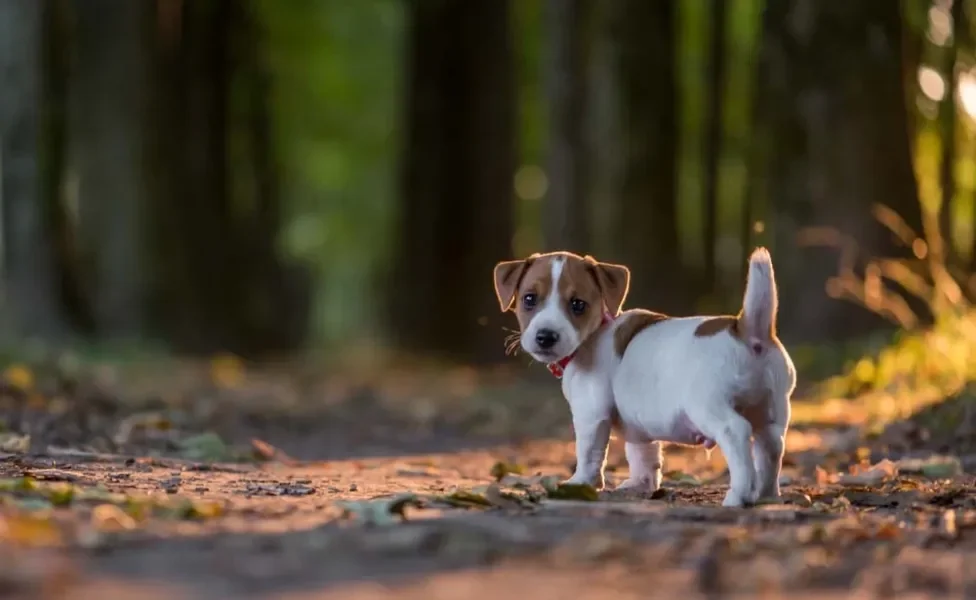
<point x="644" y="461"/>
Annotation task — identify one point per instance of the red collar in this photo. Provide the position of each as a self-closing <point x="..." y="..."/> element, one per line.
<point x="559" y="367"/>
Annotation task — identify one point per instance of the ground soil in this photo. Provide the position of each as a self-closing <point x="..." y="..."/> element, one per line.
<point x="283" y="532"/>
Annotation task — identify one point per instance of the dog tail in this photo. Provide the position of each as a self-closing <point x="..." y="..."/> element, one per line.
<point x="759" y="306"/>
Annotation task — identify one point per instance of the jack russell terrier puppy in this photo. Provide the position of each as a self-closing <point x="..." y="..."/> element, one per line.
<point x="706" y="380"/>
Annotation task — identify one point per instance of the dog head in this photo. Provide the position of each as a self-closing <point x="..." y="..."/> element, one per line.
<point x="559" y="299"/>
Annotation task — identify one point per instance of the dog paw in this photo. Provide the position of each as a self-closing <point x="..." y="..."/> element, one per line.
<point x="634" y="483"/>
<point x="596" y="481"/>
<point x="647" y="483"/>
<point x="734" y="498"/>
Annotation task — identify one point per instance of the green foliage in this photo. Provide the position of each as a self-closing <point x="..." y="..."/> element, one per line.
<point x="337" y="79"/>
<point x="922" y="366"/>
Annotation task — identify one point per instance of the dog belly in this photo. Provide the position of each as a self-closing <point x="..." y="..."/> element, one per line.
<point x="681" y="431"/>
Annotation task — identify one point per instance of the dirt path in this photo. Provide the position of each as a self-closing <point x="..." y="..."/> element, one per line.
<point x="124" y="524"/>
<point x="281" y="533"/>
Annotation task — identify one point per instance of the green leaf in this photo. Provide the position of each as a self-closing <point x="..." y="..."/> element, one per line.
<point x="14" y="443"/>
<point x="500" y="469"/>
<point x="17" y="484"/>
<point x="465" y="498"/>
<point x="934" y="467"/>
<point x="573" y="491"/>
<point x="683" y="478"/>
<point x="34" y="505"/>
<point x="204" y="447"/>
<point x="385" y="511"/>
<point x="61" y="495"/>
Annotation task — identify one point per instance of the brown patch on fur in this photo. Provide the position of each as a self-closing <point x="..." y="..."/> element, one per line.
<point x="715" y="325"/>
<point x="580" y="279"/>
<point x="598" y="284"/>
<point x="613" y="281"/>
<point x="508" y="276"/>
<point x="634" y="322"/>
<point x="537" y="280"/>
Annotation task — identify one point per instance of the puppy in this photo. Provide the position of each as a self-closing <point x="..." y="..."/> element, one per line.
<point x="706" y="380"/>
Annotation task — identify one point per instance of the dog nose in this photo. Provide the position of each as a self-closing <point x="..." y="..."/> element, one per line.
<point x="546" y="338"/>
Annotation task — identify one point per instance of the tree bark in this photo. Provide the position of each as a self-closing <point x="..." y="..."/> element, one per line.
<point x="647" y="222"/>
<point x="456" y="213"/>
<point x="29" y="272"/>
<point x="713" y="138"/>
<point x="108" y="98"/>
<point x="566" y="222"/>
<point x="838" y="144"/>
<point x="947" y="125"/>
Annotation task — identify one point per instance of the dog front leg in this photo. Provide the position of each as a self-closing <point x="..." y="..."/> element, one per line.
<point x="592" y="442"/>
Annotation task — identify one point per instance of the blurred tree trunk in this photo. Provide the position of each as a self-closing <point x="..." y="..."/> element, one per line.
<point x="713" y="137"/>
<point x="278" y="297"/>
<point x="647" y="221"/>
<point x="29" y="267"/>
<point x="60" y="208"/>
<point x="456" y="213"/>
<point x="108" y="99"/>
<point x="196" y="295"/>
<point x="566" y="222"/>
<point x="948" y="122"/>
<point x="220" y="284"/>
<point x="838" y="144"/>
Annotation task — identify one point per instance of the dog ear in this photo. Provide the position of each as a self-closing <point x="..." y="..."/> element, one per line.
<point x="614" y="282"/>
<point x="508" y="275"/>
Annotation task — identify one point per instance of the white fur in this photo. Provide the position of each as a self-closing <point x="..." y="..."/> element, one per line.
<point x="550" y="314"/>
<point x="671" y="386"/>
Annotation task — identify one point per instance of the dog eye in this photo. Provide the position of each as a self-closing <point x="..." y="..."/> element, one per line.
<point x="528" y="301"/>
<point x="577" y="306"/>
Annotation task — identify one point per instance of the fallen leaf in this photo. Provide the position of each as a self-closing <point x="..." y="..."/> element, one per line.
<point x="14" y="443"/>
<point x="17" y="484"/>
<point x="875" y="475"/>
<point x="815" y="533"/>
<point x="98" y="494"/>
<point x="109" y="517"/>
<point x="19" y="377"/>
<point x="823" y="477"/>
<point x="140" y="421"/>
<point x="226" y="370"/>
<point x="61" y="494"/>
<point x="385" y="511"/>
<point x="500" y="469"/>
<point x="265" y="451"/>
<point x="34" y="505"/>
<point x="519" y="482"/>
<point x="498" y="498"/>
<point x="204" y="447"/>
<point x="683" y="479"/>
<point x="186" y="509"/>
<point x="798" y="499"/>
<point x="888" y="530"/>
<point x="934" y="467"/>
<point x="571" y="491"/>
<point x="466" y="498"/>
<point x="29" y="530"/>
<point x="948" y="526"/>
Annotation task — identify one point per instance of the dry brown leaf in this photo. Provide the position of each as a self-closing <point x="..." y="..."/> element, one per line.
<point x="823" y="477"/>
<point x="875" y="475"/>
<point x="14" y="443"/>
<point x="109" y="517"/>
<point x="29" y="530"/>
<point x="19" y="377"/>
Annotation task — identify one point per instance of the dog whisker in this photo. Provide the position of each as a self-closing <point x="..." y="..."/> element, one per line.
<point x="512" y="341"/>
